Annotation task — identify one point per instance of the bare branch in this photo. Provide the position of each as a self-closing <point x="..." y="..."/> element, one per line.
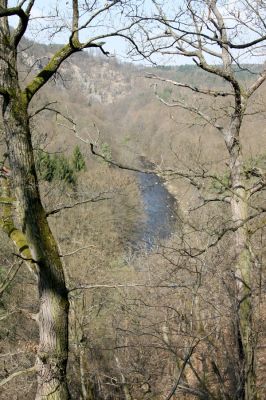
<point x="66" y="207"/>
<point x="10" y="277"/>
<point x="46" y="107"/>
<point x="49" y="70"/>
<point x="126" y="286"/>
<point x="30" y="370"/>
<point x="192" y="109"/>
<point x="23" y="23"/>
<point x="185" y="362"/>
<point x="77" y="250"/>
<point x="74" y="46"/>
<point x="247" y="44"/>
<point x="257" y="188"/>
<point x="187" y="86"/>
<point x="224" y="199"/>
<point x="5" y="316"/>
<point x="117" y="164"/>
<point x="233" y="228"/>
<point x="257" y="84"/>
<point x="11" y="11"/>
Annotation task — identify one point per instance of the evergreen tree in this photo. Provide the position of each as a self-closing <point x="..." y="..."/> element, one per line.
<point x="78" y="160"/>
<point x="45" y="166"/>
<point x="64" y="171"/>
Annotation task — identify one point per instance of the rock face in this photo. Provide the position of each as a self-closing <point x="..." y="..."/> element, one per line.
<point x="99" y="79"/>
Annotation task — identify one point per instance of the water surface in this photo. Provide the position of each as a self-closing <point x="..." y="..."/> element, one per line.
<point x="160" y="209"/>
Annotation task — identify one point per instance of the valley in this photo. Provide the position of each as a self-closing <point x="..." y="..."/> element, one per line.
<point x="137" y="194"/>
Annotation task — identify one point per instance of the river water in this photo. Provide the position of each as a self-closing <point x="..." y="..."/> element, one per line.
<point x="160" y="212"/>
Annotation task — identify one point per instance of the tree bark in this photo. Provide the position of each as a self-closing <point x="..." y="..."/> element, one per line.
<point x="244" y="321"/>
<point x="53" y="296"/>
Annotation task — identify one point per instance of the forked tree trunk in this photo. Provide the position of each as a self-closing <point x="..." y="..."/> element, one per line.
<point x="53" y="312"/>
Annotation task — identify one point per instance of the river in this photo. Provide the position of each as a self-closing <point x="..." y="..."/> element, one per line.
<point x="160" y="212"/>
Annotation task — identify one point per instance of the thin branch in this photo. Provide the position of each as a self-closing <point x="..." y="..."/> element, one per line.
<point x="69" y="206"/>
<point x="49" y="70"/>
<point x="18" y="373"/>
<point x="126" y="286"/>
<point x="257" y="84"/>
<point x="187" y="86"/>
<point x="106" y="7"/>
<point x="247" y="44"/>
<point x="10" y="277"/>
<point x="11" y="11"/>
<point x="257" y="188"/>
<point x="67" y="50"/>
<point x="238" y="224"/>
<point x="6" y="355"/>
<point x="76" y="251"/>
<point x="29" y="315"/>
<point x="225" y="199"/>
<point x="187" y="358"/>
<point x="117" y="164"/>
<point x="26" y="259"/>
<point x="46" y="107"/>
<point x="194" y="110"/>
<point x="195" y="392"/>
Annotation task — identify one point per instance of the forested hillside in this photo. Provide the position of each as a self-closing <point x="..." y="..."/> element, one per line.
<point x="132" y="197"/>
<point x="114" y="102"/>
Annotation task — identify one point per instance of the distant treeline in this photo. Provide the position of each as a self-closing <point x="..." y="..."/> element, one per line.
<point x="246" y="71"/>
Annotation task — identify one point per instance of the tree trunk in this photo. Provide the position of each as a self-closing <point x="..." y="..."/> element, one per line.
<point x="53" y="313"/>
<point x="244" y="322"/>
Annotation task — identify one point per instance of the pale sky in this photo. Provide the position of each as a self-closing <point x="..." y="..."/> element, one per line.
<point x="38" y="28"/>
<point x="48" y="16"/>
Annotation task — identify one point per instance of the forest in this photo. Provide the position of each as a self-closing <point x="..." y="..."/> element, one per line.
<point x="132" y="200"/>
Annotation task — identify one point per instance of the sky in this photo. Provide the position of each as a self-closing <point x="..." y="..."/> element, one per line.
<point x="117" y="47"/>
<point x="38" y="28"/>
<point x="48" y="16"/>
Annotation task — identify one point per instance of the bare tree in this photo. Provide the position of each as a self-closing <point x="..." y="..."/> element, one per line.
<point x="219" y="38"/>
<point x="33" y="238"/>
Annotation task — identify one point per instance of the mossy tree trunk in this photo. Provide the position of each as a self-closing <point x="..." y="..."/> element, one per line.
<point x="53" y="296"/>
<point x="35" y="231"/>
